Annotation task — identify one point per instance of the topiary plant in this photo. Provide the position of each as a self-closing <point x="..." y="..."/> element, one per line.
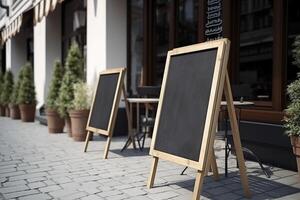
<point x="73" y="74"/>
<point x="26" y="93"/>
<point x="7" y="88"/>
<point x="82" y="96"/>
<point x="14" y="95"/>
<point x="55" y="86"/>
<point x="292" y="113"/>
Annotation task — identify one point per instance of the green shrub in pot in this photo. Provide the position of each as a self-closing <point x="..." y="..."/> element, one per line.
<point x="54" y="121"/>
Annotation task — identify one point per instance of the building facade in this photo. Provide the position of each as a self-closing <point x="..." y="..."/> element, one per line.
<point x="138" y="33"/>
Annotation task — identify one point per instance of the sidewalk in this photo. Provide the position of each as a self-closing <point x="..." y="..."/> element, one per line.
<point x="38" y="165"/>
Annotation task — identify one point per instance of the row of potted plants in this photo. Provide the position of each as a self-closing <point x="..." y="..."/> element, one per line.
<point x="18" y="100"/>
<point x="68" y="101"/>
<point x="69" y="98"/>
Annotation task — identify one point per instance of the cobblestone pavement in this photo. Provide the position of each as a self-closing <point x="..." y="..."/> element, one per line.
<point x="38" y="165"/>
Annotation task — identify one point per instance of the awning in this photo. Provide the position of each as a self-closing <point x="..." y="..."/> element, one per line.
<point x="42" y="9"/>
<point x="12" y="29"/>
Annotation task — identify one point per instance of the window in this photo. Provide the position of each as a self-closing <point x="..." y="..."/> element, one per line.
<point x="136" y="43"/>
<point x="293" y="26"/>
<point x="256" y="51"/>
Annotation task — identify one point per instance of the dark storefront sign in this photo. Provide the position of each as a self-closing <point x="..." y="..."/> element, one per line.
<point x="214" y="24"/>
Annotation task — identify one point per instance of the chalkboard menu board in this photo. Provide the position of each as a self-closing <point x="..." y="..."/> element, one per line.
<point x="106" y="101"/>
<point x="185" y="103"/>
<point x="189" y="96"/>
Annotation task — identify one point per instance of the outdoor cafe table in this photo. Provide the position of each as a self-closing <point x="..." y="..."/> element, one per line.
<point x="137" y="101"/>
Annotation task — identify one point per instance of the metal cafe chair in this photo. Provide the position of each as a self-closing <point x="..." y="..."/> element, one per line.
<point x="240" y="92"/>
<point x="148" y="118"/>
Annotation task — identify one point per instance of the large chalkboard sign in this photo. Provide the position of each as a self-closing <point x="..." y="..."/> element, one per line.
<point x="190" y="91"/>
<point x="184" y="108"/>
<point x="105" y="104"/>
<point x="188" y="110"/>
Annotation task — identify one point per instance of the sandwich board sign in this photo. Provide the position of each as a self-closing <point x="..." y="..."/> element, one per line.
<point x="105" y="105"/>
<point x="194" y="80"/>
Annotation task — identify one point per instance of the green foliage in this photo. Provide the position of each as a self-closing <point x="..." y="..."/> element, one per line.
<point x="55" y="86"/>
<point x="82" y="96"/>
<point x="296" y="51"/>
<point x="7" y="88"/>
<point x="14" y="95"/>
<point x="73" y="74"/>
<point x="1" y="84"/>
<point x="26" y="93"/>
<point x="292" y="113"/>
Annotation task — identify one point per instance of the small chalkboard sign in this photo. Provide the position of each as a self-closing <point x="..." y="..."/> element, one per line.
<point x="188" y="109"/>
<point x="105" y="105"/>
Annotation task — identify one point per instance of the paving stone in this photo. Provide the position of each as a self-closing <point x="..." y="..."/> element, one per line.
<point x="36" y="197"/>
<point x="14" y="183"/>
<point x="20" y="194"/>
<point x="163" y="195"/>
<point x="50" y="188"/>
<point x="35" y="185"/>
<point x="134" y="191"/>
<point x="13" y="189"/>
<point x="92" y="197"/>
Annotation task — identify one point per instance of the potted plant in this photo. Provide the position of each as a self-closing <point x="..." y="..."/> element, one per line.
<point x="55" y="122"/>
<point x="13" y="105"/>
<point x="80" y="109"/>
<point x="7" y="90"/>
<point x="26" y="95"/>
<point x="73" y="74"/>
<point x="2" y="109"/>
<point x="292" y="113"/>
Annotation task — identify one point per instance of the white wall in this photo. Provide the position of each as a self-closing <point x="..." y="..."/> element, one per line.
<point x="39" y="35"/>
<point x="16" y="52"/>
<point x="53" y="44"/>
<point x="47" y="48"/>
<point x="116" y="29"/>
<point x="96" y="39"/>
<point x="106" y="36"/>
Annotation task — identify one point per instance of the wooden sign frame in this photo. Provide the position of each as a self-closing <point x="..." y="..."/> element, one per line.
<point x="111" y="124"/>
<point x="206" y="155"/>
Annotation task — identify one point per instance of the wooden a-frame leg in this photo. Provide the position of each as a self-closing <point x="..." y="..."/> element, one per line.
<point x="107" y="147"/>
<point x="198" y="185"/>
<point x="152" y="172"/>
<point x="236" y="137"/>
<point x="214" y="166"/>
<point x="87" y="139"/>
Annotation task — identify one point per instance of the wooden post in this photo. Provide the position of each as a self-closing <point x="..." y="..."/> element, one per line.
<point x="87" y="139"/>
<point x="152" y="172"/>
<point x="107" y="147"/>
<point x="236" y="137"/>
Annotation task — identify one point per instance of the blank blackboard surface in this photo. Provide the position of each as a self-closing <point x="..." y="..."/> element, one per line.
<point x="185" y="102"/>
<point x="103" y="102"/>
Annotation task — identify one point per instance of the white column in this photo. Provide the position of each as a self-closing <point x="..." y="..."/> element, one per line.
<point x="47" y="48"/>
<point x="106" y="36"/>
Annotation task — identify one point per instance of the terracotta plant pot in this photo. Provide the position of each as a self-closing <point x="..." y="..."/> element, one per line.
<point x="295" y="141"/>
<point x="79" y="119"/>
<point x="14" y="111"/>
<point x="27" y="112"/>
<point x="55" y="122"/>
<point x="68" y="125"/>
<point x="7" y="112"/>
<point x="2" y="110"/>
